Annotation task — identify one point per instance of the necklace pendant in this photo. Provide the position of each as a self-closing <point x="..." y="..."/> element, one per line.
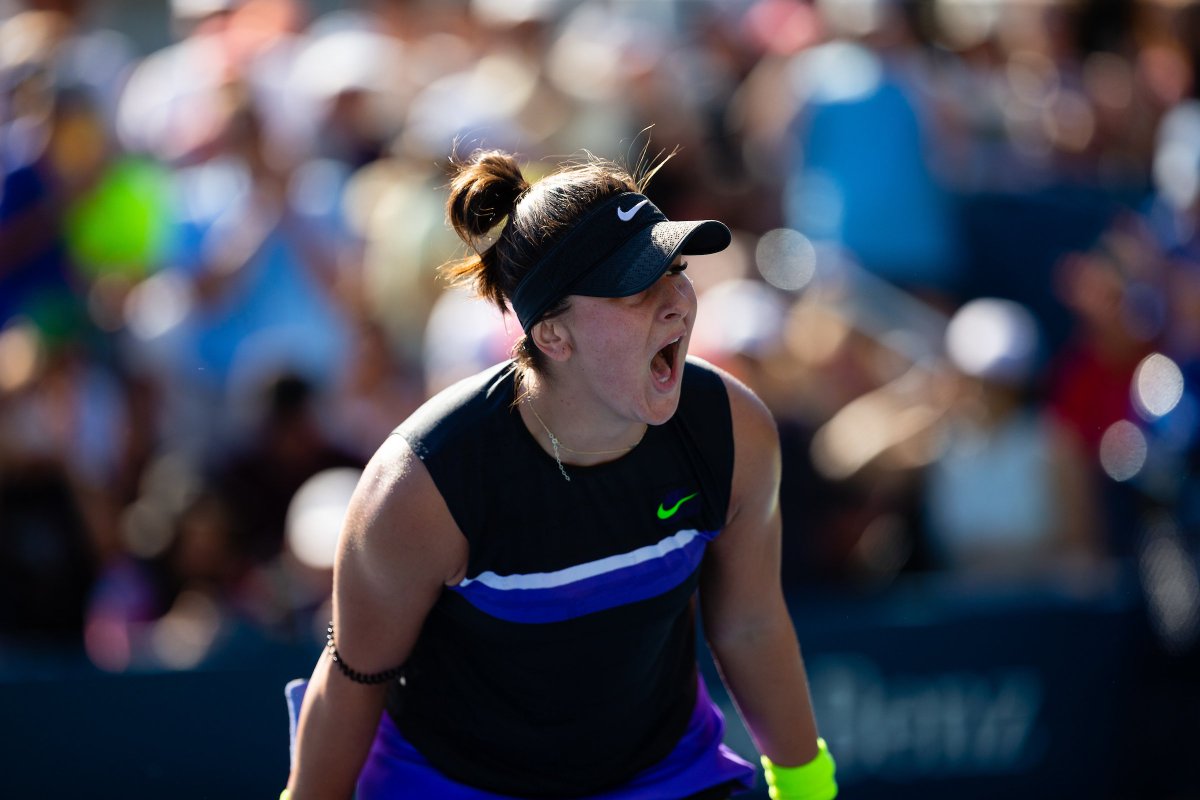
<point x="557" y="460"/>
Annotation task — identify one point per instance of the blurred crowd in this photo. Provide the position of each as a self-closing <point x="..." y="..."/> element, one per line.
<point x="218" y="286"/>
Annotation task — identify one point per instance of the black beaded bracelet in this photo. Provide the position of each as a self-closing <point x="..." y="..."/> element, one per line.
<point x="353" y="674"/>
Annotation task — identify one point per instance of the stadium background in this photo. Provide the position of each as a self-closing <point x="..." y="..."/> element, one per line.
<point x="965" y="278"/>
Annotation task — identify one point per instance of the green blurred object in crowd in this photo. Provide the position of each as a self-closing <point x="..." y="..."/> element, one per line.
<point x="120" y="226"/>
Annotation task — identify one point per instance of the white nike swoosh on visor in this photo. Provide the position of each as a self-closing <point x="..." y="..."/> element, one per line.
<point x="625" y="216"/>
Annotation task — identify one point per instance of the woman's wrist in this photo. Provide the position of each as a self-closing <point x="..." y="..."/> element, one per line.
<point x="811" y="781"/>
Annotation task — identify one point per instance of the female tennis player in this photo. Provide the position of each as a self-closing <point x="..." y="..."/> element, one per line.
<point x="520" y="568"/>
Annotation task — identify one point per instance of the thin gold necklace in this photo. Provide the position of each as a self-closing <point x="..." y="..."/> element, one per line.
<point x="556" y="444"/>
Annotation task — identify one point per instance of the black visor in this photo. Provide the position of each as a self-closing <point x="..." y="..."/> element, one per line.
<point x="619" y="248"/>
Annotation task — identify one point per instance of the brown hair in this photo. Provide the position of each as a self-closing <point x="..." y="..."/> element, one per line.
<point x="488" y="188"/>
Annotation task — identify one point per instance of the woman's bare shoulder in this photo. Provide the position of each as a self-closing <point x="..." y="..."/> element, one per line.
<point x="398" y="517"/>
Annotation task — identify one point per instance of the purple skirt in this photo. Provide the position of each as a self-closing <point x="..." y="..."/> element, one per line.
<point x="395" y="770"/>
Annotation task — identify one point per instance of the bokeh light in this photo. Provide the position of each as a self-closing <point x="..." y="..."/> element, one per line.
<point x="963" y="24"/>
<point x="1178" y="154"/>
<point x="146" y="528"/>
<point x="185" y="635"/>
<point x="993" y="339"/>
<point x="738" y="316"/>
<point x="157" y="305"/>
<point x="786" y="259"/>
<point x="19" y="355"/>
<point x="122" y="225"/>
<point x="1157" y="386"/>
<point x="315" y="516"/>
<point x="1172" y="585"/>
<point x="107" y="643"/>
<point x="1123" y="451"/>
<point x="853" y="17"/>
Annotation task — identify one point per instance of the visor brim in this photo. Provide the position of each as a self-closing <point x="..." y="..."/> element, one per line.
<point x="642" y="260"/>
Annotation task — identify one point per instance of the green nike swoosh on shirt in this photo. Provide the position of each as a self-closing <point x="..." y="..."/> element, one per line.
<point x="667" y="514"/>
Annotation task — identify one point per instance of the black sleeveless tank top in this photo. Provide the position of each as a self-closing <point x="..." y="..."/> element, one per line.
<point x="565" y="662"/>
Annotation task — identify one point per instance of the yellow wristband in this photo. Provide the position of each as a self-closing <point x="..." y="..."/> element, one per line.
<point x="285" y="795"/>
<point x="811" y="781"/>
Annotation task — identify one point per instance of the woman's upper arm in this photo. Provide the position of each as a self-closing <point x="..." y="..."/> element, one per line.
<point x="745" y="617"/>
<point x="398" y="548"/>
<point x="741" y="580"/>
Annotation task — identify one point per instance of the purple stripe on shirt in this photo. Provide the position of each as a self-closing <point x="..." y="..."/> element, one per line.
<point x="621" y="586"/>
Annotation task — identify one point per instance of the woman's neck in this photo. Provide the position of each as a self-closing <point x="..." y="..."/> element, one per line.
<point x="584" y="432"/>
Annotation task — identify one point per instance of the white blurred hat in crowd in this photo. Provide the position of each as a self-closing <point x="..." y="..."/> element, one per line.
<point x="738" y="316"/>
<point x="1176" y="168"/>
<point x="199" y="9"/>
<point x="993" y="339"/>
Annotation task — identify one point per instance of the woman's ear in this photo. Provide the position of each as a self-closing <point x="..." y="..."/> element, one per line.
<point x="552" y="338"/>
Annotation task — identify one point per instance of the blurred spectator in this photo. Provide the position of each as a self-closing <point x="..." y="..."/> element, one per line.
<point x="47" y="563"/>
<point x="62" y="34"/>
<point x="873" y="194"/>
<point x="61" y="407"/>
<point x="305" y="568"/>
<point x="1168" y="392"/>
<point x="862" y="460"/>
<point x="1114" y="293"/>
<point x="173" y="106"/>
<point x="1173" y="214"/>
<point x="740" y="327"/>
<point x="464" y="334"/>
<point x="1163" y="387"/>
<point x="34" y="270"/>
<point x="284" y="446"/>
<point x="116" y="224"/>
<point x="1009" y="493"/>
<point x="378" y="391"/>
<point x="395" y="206"/>
<point x="257" y="284"/>
<point x="354" y="78"/>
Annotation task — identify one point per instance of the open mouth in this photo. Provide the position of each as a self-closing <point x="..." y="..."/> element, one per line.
<point x="663" y="364"/>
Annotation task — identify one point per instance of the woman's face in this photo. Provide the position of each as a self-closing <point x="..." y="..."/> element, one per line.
<point x="627" y="353"/>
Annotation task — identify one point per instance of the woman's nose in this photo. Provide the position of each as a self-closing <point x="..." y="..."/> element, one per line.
<point x="676" y="296"/>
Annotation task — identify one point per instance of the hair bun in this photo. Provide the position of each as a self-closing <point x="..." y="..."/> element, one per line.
<point x="484" y="190"/>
